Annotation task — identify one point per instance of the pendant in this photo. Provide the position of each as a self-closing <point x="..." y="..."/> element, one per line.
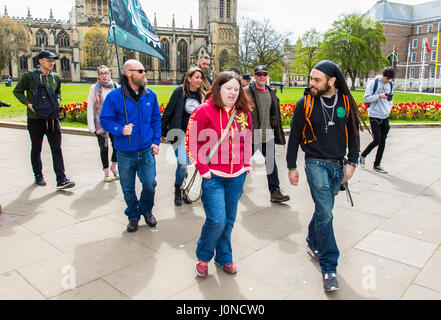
<point x="331" y="123"/>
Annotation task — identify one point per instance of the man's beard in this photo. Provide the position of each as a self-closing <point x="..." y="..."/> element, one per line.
<point x="320" y="92"/>
<point x="140" y="83"/>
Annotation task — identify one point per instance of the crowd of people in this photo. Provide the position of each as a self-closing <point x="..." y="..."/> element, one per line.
<point x="218" y="126"/>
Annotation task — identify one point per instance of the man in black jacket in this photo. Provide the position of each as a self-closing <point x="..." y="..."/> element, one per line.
<point x="267" y="127"/>
<point x="324" y="124"/>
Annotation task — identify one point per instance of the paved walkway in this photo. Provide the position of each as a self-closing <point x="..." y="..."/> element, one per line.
<point x="73" y="244"/>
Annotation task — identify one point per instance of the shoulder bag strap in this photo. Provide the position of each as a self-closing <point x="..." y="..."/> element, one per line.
<point x="222" y="138"/>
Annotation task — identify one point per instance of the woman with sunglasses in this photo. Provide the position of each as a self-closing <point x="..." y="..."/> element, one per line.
<point x="184" y="100"/>
<point x="223" y="176"/>
<point x="97" y="94"/>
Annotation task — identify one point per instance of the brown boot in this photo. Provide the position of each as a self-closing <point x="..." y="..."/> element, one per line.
<point x="278" y="196"/>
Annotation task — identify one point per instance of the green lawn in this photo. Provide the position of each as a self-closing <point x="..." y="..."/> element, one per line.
<point x="72" y="93"/>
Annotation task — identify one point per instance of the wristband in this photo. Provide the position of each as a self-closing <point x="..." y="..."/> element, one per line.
<point x="292" y="169"/>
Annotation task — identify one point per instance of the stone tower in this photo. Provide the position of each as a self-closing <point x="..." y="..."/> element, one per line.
<point x="219" y="19"/>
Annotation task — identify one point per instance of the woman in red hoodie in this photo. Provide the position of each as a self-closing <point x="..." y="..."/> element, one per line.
<point x="224" y="176"/>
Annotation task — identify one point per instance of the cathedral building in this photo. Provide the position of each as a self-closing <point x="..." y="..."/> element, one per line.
<point x="215" y="38"/>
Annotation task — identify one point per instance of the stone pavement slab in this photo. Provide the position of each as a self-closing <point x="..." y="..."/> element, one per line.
<point x="73" y="244"/>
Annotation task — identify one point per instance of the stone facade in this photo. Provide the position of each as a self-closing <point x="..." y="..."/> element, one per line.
<point x="215" y="38"/>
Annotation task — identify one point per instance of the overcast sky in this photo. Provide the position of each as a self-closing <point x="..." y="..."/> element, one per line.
<point x="285" y="15"/>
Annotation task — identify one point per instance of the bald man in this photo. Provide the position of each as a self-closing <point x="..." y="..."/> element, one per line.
<point x="143" y="126"/>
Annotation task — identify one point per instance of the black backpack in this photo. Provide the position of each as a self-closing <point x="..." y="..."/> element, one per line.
<point x="44" y="101"/>
<point x="376" y="87"/>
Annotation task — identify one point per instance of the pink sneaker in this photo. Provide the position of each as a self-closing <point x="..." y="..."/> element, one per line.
<point x="202" y="269"/>
<point x="228" y="268"/>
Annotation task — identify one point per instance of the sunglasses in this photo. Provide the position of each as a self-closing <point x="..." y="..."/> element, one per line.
<point x="139" y="70"/>
<point x="261" y="74"/>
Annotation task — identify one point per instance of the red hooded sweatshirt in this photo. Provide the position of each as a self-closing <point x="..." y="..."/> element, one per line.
<point x="205" y="127"/>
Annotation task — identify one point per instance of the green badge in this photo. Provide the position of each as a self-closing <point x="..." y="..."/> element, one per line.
<point x="341" y="112"/>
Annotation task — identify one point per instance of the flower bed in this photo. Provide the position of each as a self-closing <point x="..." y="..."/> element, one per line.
<point x="411" y="111"/>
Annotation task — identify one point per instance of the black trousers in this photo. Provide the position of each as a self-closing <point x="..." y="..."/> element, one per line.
<point x="104" y="150"/>
<point x="380" y="128"/>
<point x="272" y="174"/>
<point x="38" y="128"/>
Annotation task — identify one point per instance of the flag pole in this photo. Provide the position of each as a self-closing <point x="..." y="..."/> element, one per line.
<point x="407" y="68"/>
<point x="436" y="64"/>
<point x="113" y="26"/>
<point x="421" y="76"/>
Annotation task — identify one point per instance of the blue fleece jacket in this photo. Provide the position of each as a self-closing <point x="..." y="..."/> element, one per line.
<point x="144" y="115"/>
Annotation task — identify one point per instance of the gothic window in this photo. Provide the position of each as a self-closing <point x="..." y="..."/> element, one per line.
<point x="63" y="40"/>
<point x="223" y="59"/>
<point x="146" y="61"/>
<point x="228" y="9"/>
<point x="166" y="47"/>
<point x="182" y="55"/>
<point x="65" y="64"/>
<point x="127" y="55"/>
<point x="23" y="63"/>
<point x="41" y="38"/>
<point x="221" y="9"/>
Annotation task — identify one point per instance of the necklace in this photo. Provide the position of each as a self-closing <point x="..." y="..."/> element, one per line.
<point x="329" y="119"/>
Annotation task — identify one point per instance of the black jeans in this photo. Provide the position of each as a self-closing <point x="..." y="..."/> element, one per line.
<point x="104" y="150"/>
<point x="272" y="174"/>
<point x="380" y="128"/>
<point x="51" y="128"/>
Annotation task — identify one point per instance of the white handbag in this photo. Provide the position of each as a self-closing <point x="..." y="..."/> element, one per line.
<point x="192" y="185"/>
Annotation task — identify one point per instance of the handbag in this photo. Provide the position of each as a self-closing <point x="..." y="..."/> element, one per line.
<point x="192" y="185"/>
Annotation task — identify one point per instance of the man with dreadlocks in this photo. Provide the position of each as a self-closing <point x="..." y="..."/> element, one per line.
<point x="325" y="124"/>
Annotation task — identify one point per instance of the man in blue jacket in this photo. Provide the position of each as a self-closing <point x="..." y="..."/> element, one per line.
<point x="143" y="129"/>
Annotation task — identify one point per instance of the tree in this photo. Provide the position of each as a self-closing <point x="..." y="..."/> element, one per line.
<point x="96" y="49"/>
<point x="259" y="43"/>
<point x="354" y="42"/>
<point x="13" y="37"/>
<point x="307" y="52"/>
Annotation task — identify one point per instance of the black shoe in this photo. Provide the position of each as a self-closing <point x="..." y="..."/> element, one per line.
<point x="379" y="169"/>
<point x="132" y="226"/>
<point x="150" y="219"/>
<point x="4" y="104"/>
<point x="178" y="196"/>
<point x="330" y="282"/>
<point x="186" y="200"/>
<point x="65" y="184"/>
<point x="39" y="180"/>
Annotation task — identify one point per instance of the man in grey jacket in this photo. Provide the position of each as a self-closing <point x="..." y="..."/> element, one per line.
<point x="379" y="96"/>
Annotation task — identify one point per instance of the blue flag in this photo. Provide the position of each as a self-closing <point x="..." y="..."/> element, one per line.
<point x="133" y="29"/>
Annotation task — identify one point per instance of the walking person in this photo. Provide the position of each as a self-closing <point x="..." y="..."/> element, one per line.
<point x="325" y="124"/>
<point x="184" y="100"/>
<point x="203" y="63"/>
<point x="136" y="140"/>
<point x="379" y="95"/>
<point x="267" y="128"/>
<point x="38" y="126"/>
<point x="226" y="108"/>
<point x="97" y="94"/>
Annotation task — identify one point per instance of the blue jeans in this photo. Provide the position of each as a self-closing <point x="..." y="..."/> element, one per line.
<point x="129" y="165"/>
<point x="324" y="178"/>
<point x="182" y="159"/>
<point x="220" y="197"/>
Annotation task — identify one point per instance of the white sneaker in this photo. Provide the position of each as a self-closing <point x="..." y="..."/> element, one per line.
<point x="107" y="178"/>
<point x="362" y="161"/>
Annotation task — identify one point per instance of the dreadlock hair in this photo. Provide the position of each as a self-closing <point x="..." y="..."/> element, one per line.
<point x="354" y="113"/>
